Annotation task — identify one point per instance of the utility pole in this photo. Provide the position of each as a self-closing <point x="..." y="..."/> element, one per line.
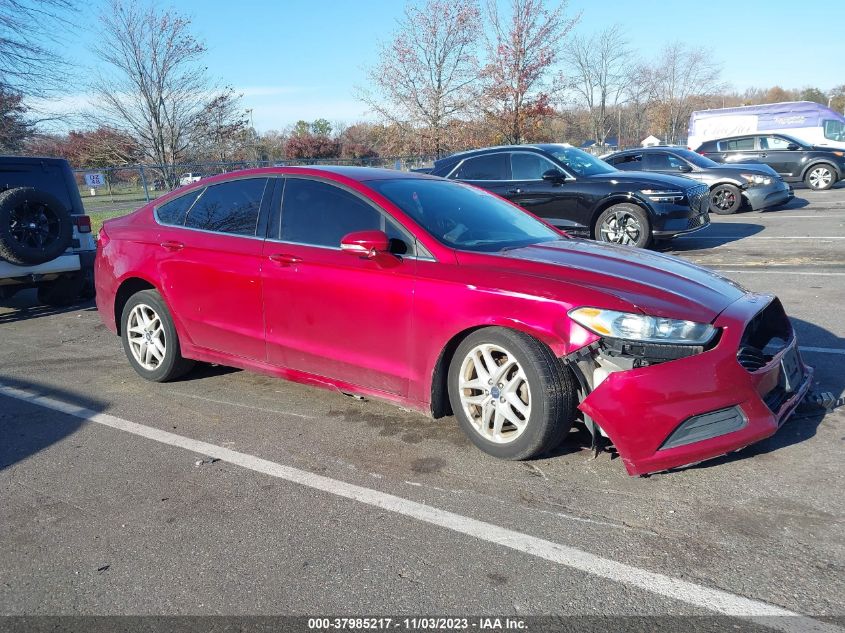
<point x="252" y="135"/>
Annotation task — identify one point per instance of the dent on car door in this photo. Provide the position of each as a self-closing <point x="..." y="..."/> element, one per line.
<point x="331" y="313"/>
<point x="210" y="258"/>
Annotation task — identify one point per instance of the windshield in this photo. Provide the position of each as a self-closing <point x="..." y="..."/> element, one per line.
<point x="578" y="162"/>
<point x="462" y="216"/>
<point x="696" y="159"/>
<point x="834" y="130"/>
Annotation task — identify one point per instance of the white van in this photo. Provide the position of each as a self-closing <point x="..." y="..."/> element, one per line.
<point x="808" y="121"/>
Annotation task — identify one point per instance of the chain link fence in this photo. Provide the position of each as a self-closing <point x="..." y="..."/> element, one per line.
<point x="113" y="191"/>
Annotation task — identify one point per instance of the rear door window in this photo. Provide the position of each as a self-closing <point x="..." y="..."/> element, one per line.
<point x="737" y="145"/>
<point x="230" y="207"/>
<point x="174" y="212"/>
<point x="629" y="162"/>
<point x="487" y="167"/>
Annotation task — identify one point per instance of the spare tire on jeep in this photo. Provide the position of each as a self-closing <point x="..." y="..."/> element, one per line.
<point x="34" y="226"/>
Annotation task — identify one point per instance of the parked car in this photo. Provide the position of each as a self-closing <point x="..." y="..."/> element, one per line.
<point x="575" y="191"/>
<point x="820" y="168"/>
<point x="445" y="298"/>
<point x="188" y="178"/>
<point x="45" y="236"/>
<point x="814" y="123"/>
<point x="731" y="186"/>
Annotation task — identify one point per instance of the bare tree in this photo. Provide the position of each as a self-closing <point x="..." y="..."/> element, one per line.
<point x="221" y="129"/>
<point x="522" y="49"/>
<point x="680" y="77"/>
<point x="599" y="65"/>
<point x="157" y="88"/>
<point x="29" y="34"/>
<point x="427" y="73"/>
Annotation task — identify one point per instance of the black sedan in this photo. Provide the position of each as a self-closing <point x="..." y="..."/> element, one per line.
<point x="583" y="195"/>
<point x="732" y="187"/>
<point x="794" y="160"/>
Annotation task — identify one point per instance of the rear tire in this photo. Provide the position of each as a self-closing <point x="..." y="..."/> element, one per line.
<point x="625" y="224"/>
<point x="150" y="339"/>
<point x="511" y="396"/>
<point x="725" y="199"/>
<point x="820" y="177"/>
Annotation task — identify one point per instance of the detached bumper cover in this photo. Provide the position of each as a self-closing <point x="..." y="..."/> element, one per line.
<point x="641" y="409"/>
<point x="773" y="195"/>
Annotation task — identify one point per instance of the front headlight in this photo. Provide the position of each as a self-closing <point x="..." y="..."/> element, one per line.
<point x="661" y="195"/>
<point x="757" y="179"/>
<point x="641" y="327"/>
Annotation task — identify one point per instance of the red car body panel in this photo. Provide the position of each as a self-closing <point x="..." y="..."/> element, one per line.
<point x="378" y="326"/>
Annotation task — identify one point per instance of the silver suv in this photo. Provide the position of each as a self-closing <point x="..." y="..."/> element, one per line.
<point x="45" y="236"/>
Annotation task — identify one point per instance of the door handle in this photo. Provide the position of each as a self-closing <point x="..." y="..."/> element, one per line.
<point x="514" y="191"/>
<point x="173" y="245"/>
<point x="284" y="259"/>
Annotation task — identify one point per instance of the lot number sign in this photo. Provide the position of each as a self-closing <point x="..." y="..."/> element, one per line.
<point x="94" y="179"/>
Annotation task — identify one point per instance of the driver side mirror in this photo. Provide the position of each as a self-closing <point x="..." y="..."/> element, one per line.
<point x="684" y="169"/>
<point x="793" y="146"/>
<point x="554" y="175"/>
<point x="365" y="243"/>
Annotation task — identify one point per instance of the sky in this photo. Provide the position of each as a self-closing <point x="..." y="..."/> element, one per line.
<point x="302" y="59"/>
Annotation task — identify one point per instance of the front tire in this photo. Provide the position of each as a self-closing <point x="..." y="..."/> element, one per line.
<point x="624" y="223"/>
<point x="820" y="177"/>
<point x="510" y="394"/>
<point x="725" y="199"/>
<point x="150" y="339"/>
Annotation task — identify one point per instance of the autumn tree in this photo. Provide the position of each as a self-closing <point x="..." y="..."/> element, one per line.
<point x="153" y="84"/>
<point x="679" y="78"/>
<point x="599" y="65"/>
<point x="427" y="72"/>
<point x="837" y="98"/>
<point x="522" y="48"/>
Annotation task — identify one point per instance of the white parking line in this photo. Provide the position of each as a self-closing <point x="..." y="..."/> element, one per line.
<point x="761" y="237"/>
<point x="779" y="272"/>
<point x="714" y="600"/>
<point x="822" y="350"/>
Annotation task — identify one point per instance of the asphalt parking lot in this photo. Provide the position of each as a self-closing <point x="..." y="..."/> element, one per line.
<point x="230" y="493"/>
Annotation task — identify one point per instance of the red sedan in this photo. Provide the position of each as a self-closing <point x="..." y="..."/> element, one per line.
<point x="447" y="299"/>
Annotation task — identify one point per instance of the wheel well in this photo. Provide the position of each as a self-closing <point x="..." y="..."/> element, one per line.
<point x="128" y="288"/>
<point x="440" y="405"/>
<point x="816" y="164"/>
<point x="609" y="203"/>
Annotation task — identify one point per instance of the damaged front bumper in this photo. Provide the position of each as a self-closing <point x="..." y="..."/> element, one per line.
<point x="663" y="413"/>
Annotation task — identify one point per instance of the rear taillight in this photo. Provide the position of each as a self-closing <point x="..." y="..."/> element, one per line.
<point x="83" y="223"/>
<point x="102" y="237"/>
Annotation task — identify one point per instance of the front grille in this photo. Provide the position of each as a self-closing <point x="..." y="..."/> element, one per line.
<point x="765" y="335"/>
<point x="699" y="198"/>
<point x="699" y="220"/>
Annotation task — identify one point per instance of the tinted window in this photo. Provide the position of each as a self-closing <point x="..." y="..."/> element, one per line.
<point x="320" y="214"/>
<point x="661" y="161"/>
<point x="464" y="217"/>
<point x="773" y="142"/>
<point x="737" y="144"/>
<point x="525" y="166"/>
<point x="230" y="207"/>
<point x="487" y="167"/>
<point x="628" y="162"/>
<point x="174" y="212"/>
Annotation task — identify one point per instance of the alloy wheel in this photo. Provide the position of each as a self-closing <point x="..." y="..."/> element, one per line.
<point x="145" y="333"/>
<point x="621" y="227"/>
<point x="494" y="393"/>
<point x="723" y="199"/>
<point x="34" y="226"/>
<point x="820" y="178"/>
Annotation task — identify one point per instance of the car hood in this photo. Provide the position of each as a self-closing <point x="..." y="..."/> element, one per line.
<point x="656" y="284"/>
<point x="645" y="180"/>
